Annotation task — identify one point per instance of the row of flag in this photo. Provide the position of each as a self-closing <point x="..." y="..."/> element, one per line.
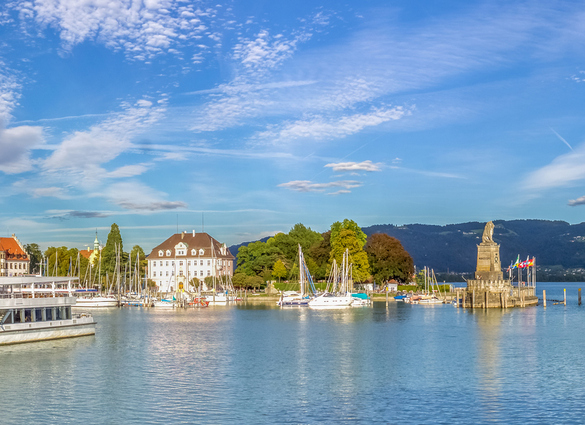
<point x="521" y="264"/>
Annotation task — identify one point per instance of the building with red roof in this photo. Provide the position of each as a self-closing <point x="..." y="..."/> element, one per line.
<point x="14" y="261"/>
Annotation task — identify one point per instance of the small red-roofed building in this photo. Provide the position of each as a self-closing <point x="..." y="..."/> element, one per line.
<point x="14" y="261"/>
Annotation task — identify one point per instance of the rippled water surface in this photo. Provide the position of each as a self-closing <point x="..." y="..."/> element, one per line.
<point x="259" y="364"/>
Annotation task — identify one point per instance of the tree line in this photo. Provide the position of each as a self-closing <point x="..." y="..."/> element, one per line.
<point x="378" y="258"/>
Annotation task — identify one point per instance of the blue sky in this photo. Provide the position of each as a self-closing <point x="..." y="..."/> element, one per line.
<point x="253" y="116"/>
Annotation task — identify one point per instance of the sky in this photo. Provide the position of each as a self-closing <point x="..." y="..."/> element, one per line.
<point x="243" y="118"/>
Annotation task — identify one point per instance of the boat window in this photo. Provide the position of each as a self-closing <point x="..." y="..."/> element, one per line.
<point x="27" y="315"/>
<point x="49" y="313"/>
<point x="18" y="316"/>
<point x="38" y="314"/>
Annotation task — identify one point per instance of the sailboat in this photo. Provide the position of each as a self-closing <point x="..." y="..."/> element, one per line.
<point x="342" y="298"/>
<point x="301" y="298"/>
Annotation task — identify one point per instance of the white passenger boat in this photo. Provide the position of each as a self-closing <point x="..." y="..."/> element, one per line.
<point x="37" y="309"/>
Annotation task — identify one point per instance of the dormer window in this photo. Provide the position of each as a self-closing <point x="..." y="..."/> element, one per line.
<point x="201" y="252"/>
<point x="193" y="252"/>
<point x="160" y="253"/>
<point x="168" y="252"/>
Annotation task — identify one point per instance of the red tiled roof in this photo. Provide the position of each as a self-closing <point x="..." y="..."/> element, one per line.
<point x="12" y="249"/>
<point x="86" y="253"/>
<point x="199" y="241"/>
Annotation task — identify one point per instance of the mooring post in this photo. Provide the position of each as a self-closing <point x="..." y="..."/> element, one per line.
<point x="473" y="299"/>
<point x="579" y="296"/>
<point x="544" y="297"/>
<point x="386" y="296"/>
<point x="565" y="296"/>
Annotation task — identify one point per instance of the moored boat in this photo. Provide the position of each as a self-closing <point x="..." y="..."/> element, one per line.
<point x="32" y="309"/>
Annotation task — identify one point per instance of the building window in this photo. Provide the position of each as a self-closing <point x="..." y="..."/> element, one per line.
<point x="173" y="263"/>
<point x="209" y="262"/>
<point x="167" y="273"/>
<point x="201" y="262"/>
<point x="208" y="272"/>
<point x="201" y="273"/>
<point x="168" y="252"/>
<point x="201" y="252"/>
<point x="167" y="263"/>
<point x="160" y="253"/>
<point x="180" y="263"/>
<point x="193" y="252"/>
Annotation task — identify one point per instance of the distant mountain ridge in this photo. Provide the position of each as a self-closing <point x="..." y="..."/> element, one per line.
<point x="453" y="247"/>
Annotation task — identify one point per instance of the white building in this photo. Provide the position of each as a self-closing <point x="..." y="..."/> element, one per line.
<point x="183" y="256"/>
<point x="14" y="260"/>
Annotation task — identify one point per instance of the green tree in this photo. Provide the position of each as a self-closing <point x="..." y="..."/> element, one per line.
<point x="320" y="252"/>
<point x="113" y="245"/>
<point x="35" y="255"/>
<point x="347" y="224"/>
<point x="388" y="259"/>
<point x="255" y="282"/>
<point x="239" y="280"/>
<point x="256" y="258"/>
<point x="347" y="239"/>
<point x="137" y="251"/>
<point x="65" y="262"/>
<point x="279" y="270"/>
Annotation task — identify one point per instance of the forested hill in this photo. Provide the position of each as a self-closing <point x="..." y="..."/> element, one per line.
<point x="454" y="247"/>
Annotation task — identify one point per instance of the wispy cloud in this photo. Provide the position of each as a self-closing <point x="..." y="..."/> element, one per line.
<point x="308" y="186"/>
<point x="136" y="196"/>
<point x="355" y="166"/>
<point x="84" y="151"/>
<point x="562" y="171"/>
<point x="15" y="142"/>
<point x="320" y="128"/>
<point x="66" y="215"/>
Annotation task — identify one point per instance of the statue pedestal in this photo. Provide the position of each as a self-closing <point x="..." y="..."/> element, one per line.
<point x="489" y="289"/>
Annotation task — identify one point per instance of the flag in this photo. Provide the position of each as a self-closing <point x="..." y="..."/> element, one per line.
<point x="517" y="264"/>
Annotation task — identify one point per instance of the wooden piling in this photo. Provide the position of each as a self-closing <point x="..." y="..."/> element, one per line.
<point x="544" y="297"/>
<point x="473" y="299"/>
<point x="565" y="296"/>
<point x="386" y="296"/>
<point x="487" y="299"/>
<point x="579" y="300"/>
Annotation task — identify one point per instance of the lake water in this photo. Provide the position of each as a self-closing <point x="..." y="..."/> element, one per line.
<point x="264" y="365"/>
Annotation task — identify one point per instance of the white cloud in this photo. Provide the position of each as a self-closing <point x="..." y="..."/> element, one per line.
<point x="265" y="52"/>
<point x="562" y="171"/>
<point x="136" y="196"/>
<point x="15" y="146"/>
<point x="354" y="166"/>
<point x="140" y="29"/>
<point x="308" y="186"/>
<point x="578" y="201"/>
